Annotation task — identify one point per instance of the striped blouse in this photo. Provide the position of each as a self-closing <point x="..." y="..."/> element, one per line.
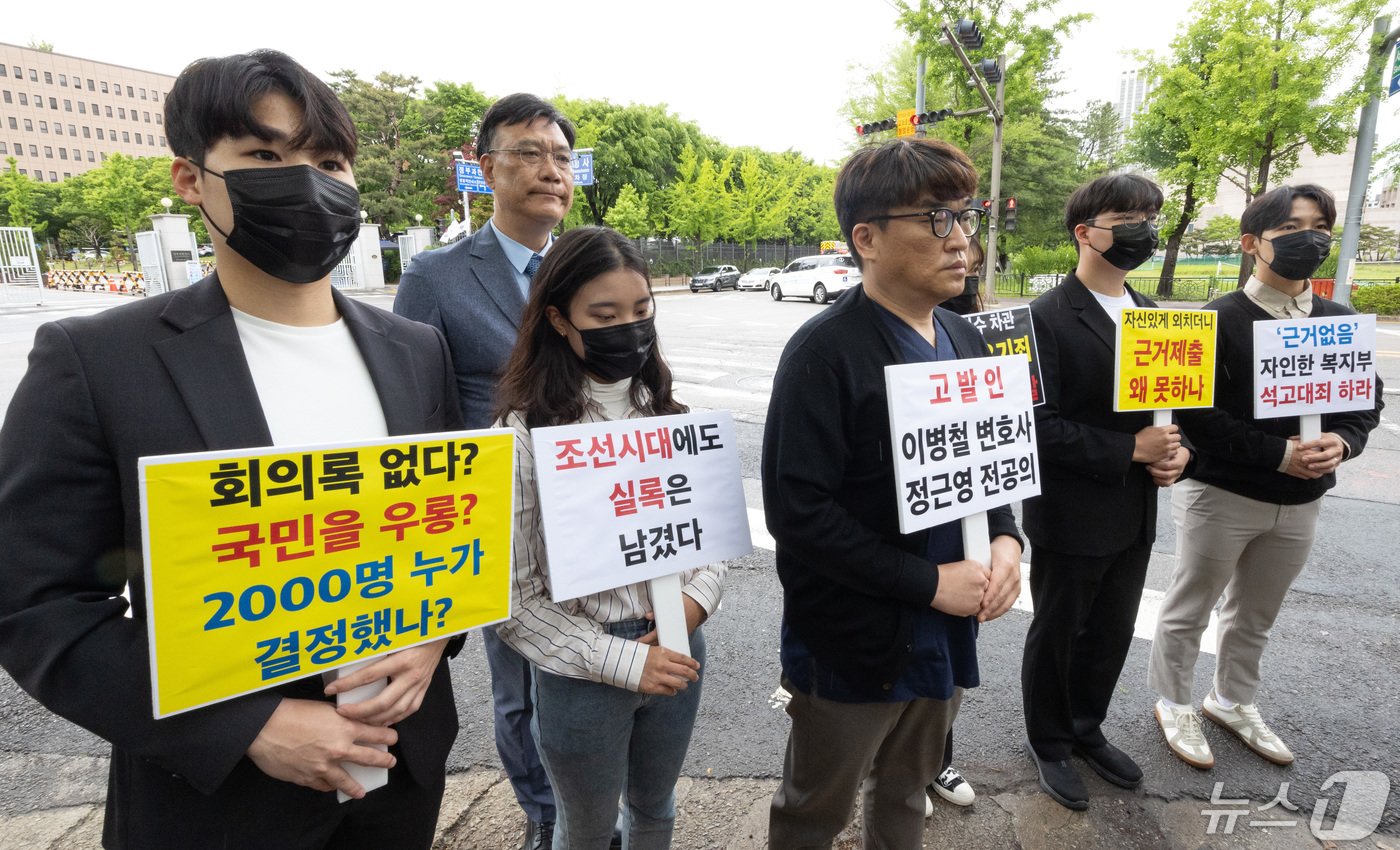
<point x="570" y="638"/>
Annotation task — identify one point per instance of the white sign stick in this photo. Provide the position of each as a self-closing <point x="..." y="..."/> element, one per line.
<point x="977" y="545"/>
<point x="369" y="777"/>
<point x="1161" y="418"/>
<point x="669" y="610"/>
<point x="1309" y="427"/>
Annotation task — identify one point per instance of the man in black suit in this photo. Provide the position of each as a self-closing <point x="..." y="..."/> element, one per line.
<point x="1092" y="527"/>
<point x="263" y="353"/>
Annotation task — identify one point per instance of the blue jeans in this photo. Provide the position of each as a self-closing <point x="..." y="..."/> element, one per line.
<point x="510" y="693"/>
<point x="597" y="740"/>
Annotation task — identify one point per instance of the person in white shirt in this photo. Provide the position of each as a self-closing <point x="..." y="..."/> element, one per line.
<point x="613" y="708"/>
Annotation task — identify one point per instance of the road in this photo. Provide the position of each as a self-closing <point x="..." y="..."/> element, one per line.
<point x="1331" y="686"/>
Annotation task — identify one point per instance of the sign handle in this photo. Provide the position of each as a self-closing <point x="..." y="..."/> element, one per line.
<point x="1161" y="418"/>
<point x="669" y="610"/>
<point x="1309" y="427"/>
<point x="977" y="545"/>
<point x="369" y="777"/>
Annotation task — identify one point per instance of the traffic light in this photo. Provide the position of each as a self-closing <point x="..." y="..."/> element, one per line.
<point x="986" y="204"/>
<point x="1010" y="223"/>
<point x="875" y="127"/>
<point x="933" y="117"/>
<point x="991" y="70"/>
<point x="969" y="34"/>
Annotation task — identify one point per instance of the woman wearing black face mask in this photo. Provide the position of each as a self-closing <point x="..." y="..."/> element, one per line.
<point x="612" y="708"/>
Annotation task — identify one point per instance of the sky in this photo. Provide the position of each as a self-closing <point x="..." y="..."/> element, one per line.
<point x="769" y="73"/>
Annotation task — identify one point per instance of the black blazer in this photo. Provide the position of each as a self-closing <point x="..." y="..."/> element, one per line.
<point x="161" y="376"/>
<point x="852" y="584"/>
<point x="1094" y="500"/>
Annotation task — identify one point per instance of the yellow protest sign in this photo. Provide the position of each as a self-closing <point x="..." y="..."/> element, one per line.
<point x="268" y="565"/>
<point x="1165" y="360"/>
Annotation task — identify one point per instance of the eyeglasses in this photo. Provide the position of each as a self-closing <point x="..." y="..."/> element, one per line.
<point x="1125" y="218"/>
<point x="562" y="160"/>
<point x="941" y="220"/>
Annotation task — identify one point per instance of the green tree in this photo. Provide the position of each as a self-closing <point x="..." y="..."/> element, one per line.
<point x="762" y="195"/>
<point x="458" y="108"/>
<point x="1097" y="131"/>
<point x="125" y="191"/>
<point x="1220" y="236"/>
<point x="629" y="214"/>
<point x="699" y="203"/>
<point x="18" y="198"/>
<point x="402" y="163"/>
<point x="1377" y="243"/>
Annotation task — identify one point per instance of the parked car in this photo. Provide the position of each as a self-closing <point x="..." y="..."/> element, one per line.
<point x="819" y="278"/>
<point x="715" y="278"/>
<point x="757" y="278"/>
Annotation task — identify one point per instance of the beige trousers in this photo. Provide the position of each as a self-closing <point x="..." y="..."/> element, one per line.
<point x="832" y="749"/>
<point x="1248" y="550"/>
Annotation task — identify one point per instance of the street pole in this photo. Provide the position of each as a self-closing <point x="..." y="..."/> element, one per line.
<point x="919" y="131"/>
<point x="467" y="211"/>
<point x="1361" y="163"/>
<point x="989" y="263"/>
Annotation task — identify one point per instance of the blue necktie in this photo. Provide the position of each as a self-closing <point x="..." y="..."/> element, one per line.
<point x="532" y="266"/>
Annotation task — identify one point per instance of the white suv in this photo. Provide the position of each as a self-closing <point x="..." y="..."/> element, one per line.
<point x="819" y="278"/>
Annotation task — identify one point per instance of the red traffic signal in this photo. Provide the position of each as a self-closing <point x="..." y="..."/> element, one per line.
<point x="1010" y="214"/>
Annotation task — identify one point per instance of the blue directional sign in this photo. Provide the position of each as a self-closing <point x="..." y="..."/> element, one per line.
<point x="1395" y="72"/>
<point x="469" y="179"/>
<point x="583" y="168"/>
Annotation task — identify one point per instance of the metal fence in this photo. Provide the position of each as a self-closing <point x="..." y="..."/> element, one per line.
<point x="667" y="257"/>
<point x="1182" y="288"/>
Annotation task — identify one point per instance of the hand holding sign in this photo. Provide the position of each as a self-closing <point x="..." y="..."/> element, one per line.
<point x="305" y="741"/>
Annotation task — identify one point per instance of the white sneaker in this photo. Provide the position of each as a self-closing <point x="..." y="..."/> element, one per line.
<point x="1183" y="732"/>
<point x="951" y="786"/>
<point x="1246" y="724"/>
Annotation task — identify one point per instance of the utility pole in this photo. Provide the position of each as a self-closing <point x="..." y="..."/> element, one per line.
<point x="919" y="131"/>
<point x="1361" y="163"/>
<point x="996" y="106"/>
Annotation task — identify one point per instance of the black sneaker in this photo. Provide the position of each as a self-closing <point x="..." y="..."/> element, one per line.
<point x="1112" y="764"/>
<point x="1060" y="781"/>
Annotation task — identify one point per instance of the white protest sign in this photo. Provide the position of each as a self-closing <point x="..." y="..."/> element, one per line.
<point x="637" y="499"/>
<point x="1314" y="366"/>
<point x="964" y="437"/>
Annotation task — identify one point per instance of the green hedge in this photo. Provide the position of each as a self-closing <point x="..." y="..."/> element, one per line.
<point x="1035" y="260"/>
<point x="1381" y="299"/>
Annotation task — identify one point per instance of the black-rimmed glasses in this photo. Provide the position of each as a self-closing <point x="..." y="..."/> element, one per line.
<point x="941" y="220"/>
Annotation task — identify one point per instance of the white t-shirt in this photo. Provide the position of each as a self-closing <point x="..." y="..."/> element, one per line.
<point x="312" y="382"/>
<point x="1112" y="304"/>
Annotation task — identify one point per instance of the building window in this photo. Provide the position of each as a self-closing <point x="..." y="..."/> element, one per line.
<point x="33" y="76"/>
<point x="53" y="177"/>
<point x="53" y="103"/>
<point x="28" y="126"/>
<point x="90" y="159"/>
<point x="72" y="131"/>
<point x="77" y="155"/>
<point x="143" y="94"/>
<point x="34" y="151"/>
<point x="38" y="101"/>
<point x="3" y="149"/>
<point x="109" y="111"/>
<point x="63" y="80"/>
<point x="92" y="84"/>
<point x="87" y="132"/>
<point x="121" y="113"/>
<point x="158" y="121"/>
<point x="150" y="140"/>
<point x="162" y="141"/>
<point x="63" y="154"/>
<point x="129" y="92"/>
<point x="82" y="108"/>
<point x="146" y="116"/>
<point x="126" y="137"/>
<point x="48" y="152"/>
<point x="48" y="77"/>
<point x="9" y="98"/>
<point x="104" y="86"/>
<point x="14" y="123"/>
<point x="95" y="110"/>
<point x="23" y="99"/>
<point x="39" y="175"/>
<point x="43" y="126"/>
<point x="155" y="96"/>
<point x="18" y="75"/>
<point x="104" y="156"/>
<point x="99" y="135"/>
<point x="67" y="105"/>
<point x="57" y="129"/>
<point x="4" y="70"/>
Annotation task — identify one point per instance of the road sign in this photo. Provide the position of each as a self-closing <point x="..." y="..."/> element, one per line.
<point x="469" y="179"/>
<point x="904" y="123"/>
<point x="583" y="168"/>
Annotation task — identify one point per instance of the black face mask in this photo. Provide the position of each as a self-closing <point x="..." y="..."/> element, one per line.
<point x="294" y="223"/>
<point x="970" y="284"/>
<point x="618" y="352"/>
<point x="1133" y="245"/>
<point x="1297" y="255"/>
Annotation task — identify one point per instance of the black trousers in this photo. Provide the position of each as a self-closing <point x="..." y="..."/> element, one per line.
<point x="1085" y="609"/>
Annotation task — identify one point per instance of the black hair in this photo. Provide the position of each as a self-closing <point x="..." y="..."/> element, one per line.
<point x="519" y="108"/>
<point x="214" y="98"/>
<point x="1111" y="193"/>
<point x="1274" y="207"/>
<point x="544" y="378"/>
<point x="902" y="172"/>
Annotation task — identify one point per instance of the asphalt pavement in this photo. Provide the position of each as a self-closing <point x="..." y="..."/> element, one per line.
<point x="1331" y="687"/>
